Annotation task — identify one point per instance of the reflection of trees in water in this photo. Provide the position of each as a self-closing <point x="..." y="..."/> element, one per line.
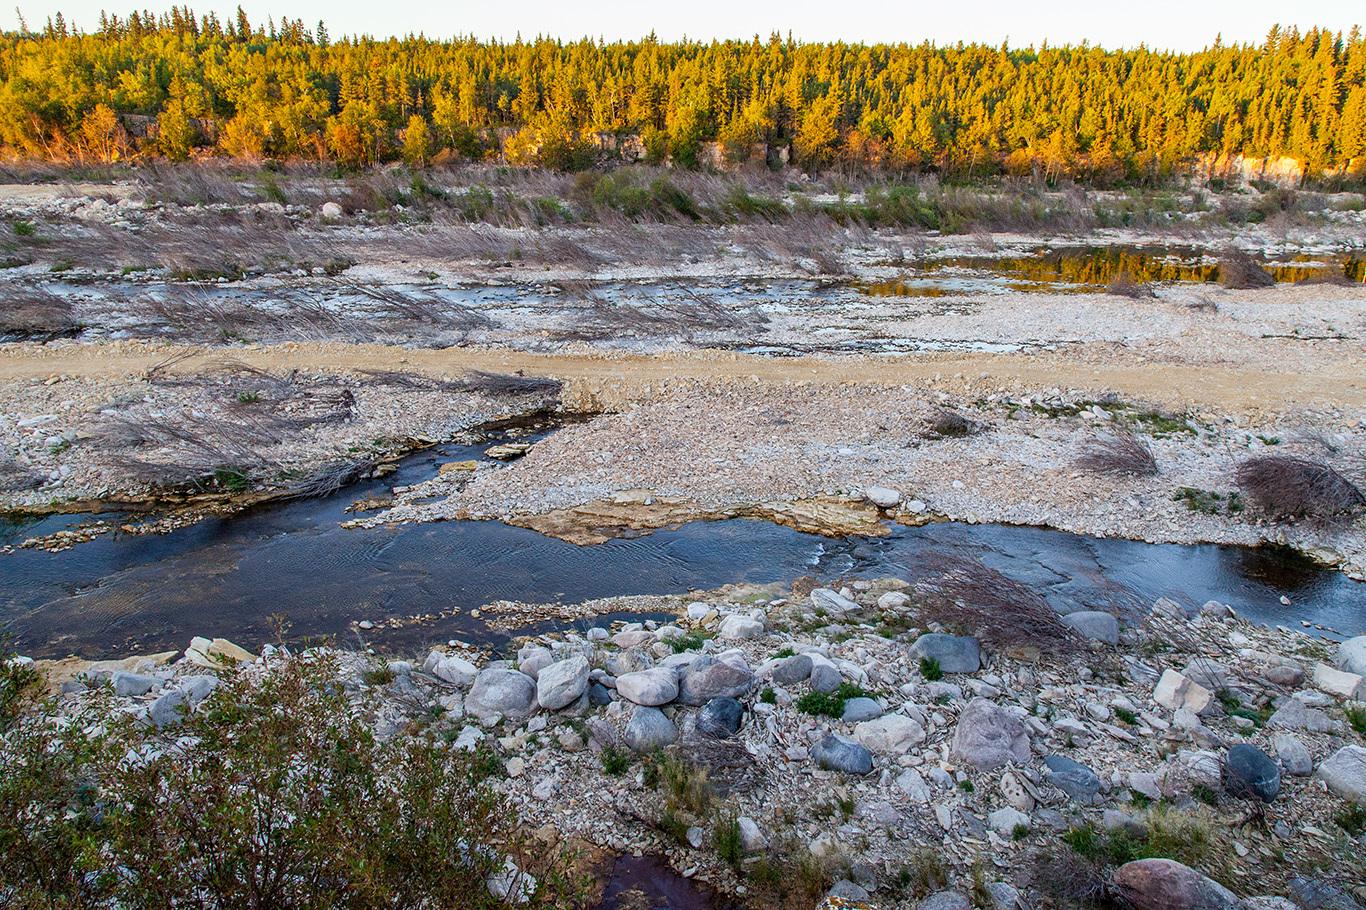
<point x="1277" y="566"/>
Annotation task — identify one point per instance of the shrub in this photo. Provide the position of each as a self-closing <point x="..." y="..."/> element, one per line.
<point x="830" y="704"/>
<point x="1123" y="453"/>
<point x="930" y="669"/>
<point x="1239" y="271"/>
<point x="615" y="761"/>
<point x="1123" y="285"/>
<point x="690" y="642"/>
<point x="274" y="793"/>
<point x="725" y="837"/>
<point x="1286" y="486"/>
<point x="1356" y="716"/>
<point x="947" y="424"/>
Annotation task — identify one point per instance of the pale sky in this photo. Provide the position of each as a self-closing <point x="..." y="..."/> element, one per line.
<point x="1175" y="24"/>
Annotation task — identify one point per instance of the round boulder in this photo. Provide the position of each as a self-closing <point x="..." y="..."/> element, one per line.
<point x="1251" y="773"/>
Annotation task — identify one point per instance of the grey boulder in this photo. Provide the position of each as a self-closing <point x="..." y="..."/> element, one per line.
<point x="720" y="718"/>
<point x="707" y="678"/>
<point x="562" y="683"/>
<point x="649" y="729"/>
<point x="1345" y="773"/>
<point x="1251" y="773"/>
<point x="988" y="736"/>
<point x="1073" y="778"/>
<point x="954" y="653"/>
<point x="653" y="687"/>
<point x="128" y="684"/>
<point x="1164" y="884"/>
<point x="501" y="691"/>
<point x="1351" y="655"/>
<point x="1094" y="625"/>
<point x="835" y="753"/>
<point x="791" y="670"/>
<point x="857" y="710"/>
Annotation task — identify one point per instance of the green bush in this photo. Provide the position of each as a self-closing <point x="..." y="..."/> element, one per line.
<point x="272" y="794"/>
<point x="830" y="704"/>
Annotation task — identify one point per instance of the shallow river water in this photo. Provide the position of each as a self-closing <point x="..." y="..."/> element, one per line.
<point x="121" y="593"/>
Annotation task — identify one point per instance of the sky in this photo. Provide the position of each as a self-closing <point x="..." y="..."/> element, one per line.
<point x="1162" y="24"/>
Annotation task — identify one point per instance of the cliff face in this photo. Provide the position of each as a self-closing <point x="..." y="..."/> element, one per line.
<point x="1281" y="170"/>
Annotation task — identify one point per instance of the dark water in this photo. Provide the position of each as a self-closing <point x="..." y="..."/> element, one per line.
<point x="648" y="883"/>
<point x="127" y="593"/>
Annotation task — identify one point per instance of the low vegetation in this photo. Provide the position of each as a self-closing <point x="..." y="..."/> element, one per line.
<point x="1119" y="453"/>
<point x="1285" y="486"/>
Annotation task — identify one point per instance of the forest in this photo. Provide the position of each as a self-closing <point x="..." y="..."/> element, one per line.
<point x="180" y="86"/>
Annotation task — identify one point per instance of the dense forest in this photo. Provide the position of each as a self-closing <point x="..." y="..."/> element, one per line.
<point x="180" y="85"/>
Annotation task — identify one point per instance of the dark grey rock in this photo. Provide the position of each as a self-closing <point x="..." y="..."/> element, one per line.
<point x="169" y="708"/>
<point x="129" y="684"/>
<point x="720" y="718"/>
<point x="707" y="678"/>
<point x="649" y="729"/>
<point x="955" y="653"/>
<point x="1095" y="625"/>
<point x="1073" y="778"/>
<point x="825" y="678"/>
<point x="857" y="710"/>
<point x="599" y="695"/>
<point x="988" y="736"/>
<point x="1251" y="773"/>
<point x="835" y="753"/>
<point x="945" y="900"/>
<point x="791" y="670"/>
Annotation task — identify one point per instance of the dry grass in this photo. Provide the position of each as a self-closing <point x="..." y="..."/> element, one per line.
<point x="1124" y="285"/>
<point x="14" y="478"/>
<point x="948" y="424"/>
<point x="1121" y="453"/>
<point x="1239" y="271"/>
<point x="966" y="596"/>
<point x="1284" y="486"/>
<point x="34" y="314"/>
<point x="593" y="317"/>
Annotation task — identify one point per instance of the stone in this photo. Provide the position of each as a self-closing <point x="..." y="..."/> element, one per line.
<point x="1351" y="655"/>
<point x="913" y="785"/>
<point x="599" y="695"/>
<point x="216" y="653"/>
<point x="857" y="710"/>
<point x="707" y="678"/>
<point x="1005" y="820"/>
<point x="791" y="670"/>
<point x="752" y="839"/>
<point x="129" y="684"/>
<point x="835" y="753"/>
<point x="452" y="669"/>
<point x="1319" y="894"/>
<point x="469" y="739"/>
<point x="988" y="736"/>
<point x="832" y="601"/>
<point x="1339" y="682"/>
<point x="169" y="708"/>
<point x="1175" y="691"/>
<point x="825" y="677"/>
<point x="1250" y="773"/>
<point x="649" y="729"/>
<point x="1192" y="768"/>
<point x="893" y="600"/>
<point x="197" y="688"/>
<point x="945" y="900"/>
<point x="331" y="210"/>
<point x="1209" y="673"/>
<point x="1079" y="782"/>
<point x="501" y="691"/>
<point x="1345" y="773"/>
<point x="955" y="653"/>
<point x="1164" y="884"/>
<point x="847" y="893"/>
<point x="1016" y="793"/>
<point x="740" y="628"/>
<point x="534" y="659"/>
<point x="1094" y="625"/>
<point x="1294" y="714"/>
<point x="890" y="734"/>
<point x="883" y="497"/>
<point x="720" y="718"/>
<point x="1004" y="896"/>
<point x="633" y="638"/>
<point x="510" y="884"/>
<point x="653" y="687"/>
<point x="1293" y="754"/>
<point x="562" y="683"/>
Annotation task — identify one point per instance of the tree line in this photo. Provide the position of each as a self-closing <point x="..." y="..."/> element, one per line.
<point x="181" y="85"/>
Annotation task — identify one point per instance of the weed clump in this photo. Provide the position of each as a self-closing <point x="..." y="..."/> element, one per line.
<point x="1284" y="486"/>
<point x="1122" y="453"/>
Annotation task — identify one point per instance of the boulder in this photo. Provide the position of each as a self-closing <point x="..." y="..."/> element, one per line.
<point x="653" y="687"/>
<point x="1345" y="773"/>
<point x="1339" y="682"/>
<point x="532" y="659"/>
<point x="562" y="683"/>
<point x="1095" y="625"/>
<point x="169" y="708"/>
<point x="1294" y="714"/>
<point x="955" y="653"/>
<point x="791" y="670"/>
<point x="129" y="684"/>
<point x="893" y="600"/>
<point x="1250" y="773"/>
<point x="890" y="734"/>
<point x="752" y="839"/>
<point x="1351" y="655"/>
<point x="707" y="678"/>
<point x="451" y="669"/>
<point x="1294" y="755"/>
<point x="216" y="653"/>
<point x="825" y="676"/>
<point x="857" y="710"/>
<point x="1005" y="820"/>
<point x="1164" y="884"/>
<point x="649" y="729"/>
<point x="501" y="691"/>
<point x="988" y="736"/>
<point x="835" y="753"/>
<point x="736" y="627"/>
<point x="883" y="497"/>
<point x="945" y="900"/>
<point x="720" y="718"/>
<point x="832" y="601"/>
<point x="331" y="210"/>
<point x="1175" y="691"/>
<point x="1079" y="782"/>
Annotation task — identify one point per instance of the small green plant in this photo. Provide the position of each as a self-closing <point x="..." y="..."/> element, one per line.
<point x="1125" y="716"/>
<point x="380" y="675"/>
<point x="768" y="696"/>
<point x="725" y="838"/>
<point x="24" y="228"/>
<point x="62" y="265"/>
<point x="1208" y="502"/>
<point x="1356" y="716"/>
<point x="1352" y="819"/>
<point x="1019" y="832"/>
<point x="231" y="480"/>
<point x="966" y="785"/>
<point x="615" y="762"/>
<point x="689" y="642"/>
<point x="930" y="669"/>
<point x="59" y="446"/>
<point x="250" y="396"/>
<point x="1234" y="707"/>
<point x="1205" y="794"/>
<point x="830" y="704"/>
<point x="784" y="652"/>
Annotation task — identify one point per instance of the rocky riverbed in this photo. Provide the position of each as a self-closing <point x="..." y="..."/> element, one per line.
<point x="890" y="746"/>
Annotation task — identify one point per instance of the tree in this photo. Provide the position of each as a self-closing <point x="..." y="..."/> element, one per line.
<point x="102" y="137"/>
<point x="417" y="142"/>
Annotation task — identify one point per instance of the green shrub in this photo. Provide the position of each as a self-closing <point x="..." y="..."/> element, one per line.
<point x="930" y="669"/>
<point x="689" y="642"/>
<point x="1356" y="716"/>
<point x="725" y="838"/>
<point x="830" y="704"/>
<point x="615" y="761"/>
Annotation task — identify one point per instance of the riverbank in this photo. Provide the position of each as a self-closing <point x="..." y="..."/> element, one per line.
<point x="775" y="740"/>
